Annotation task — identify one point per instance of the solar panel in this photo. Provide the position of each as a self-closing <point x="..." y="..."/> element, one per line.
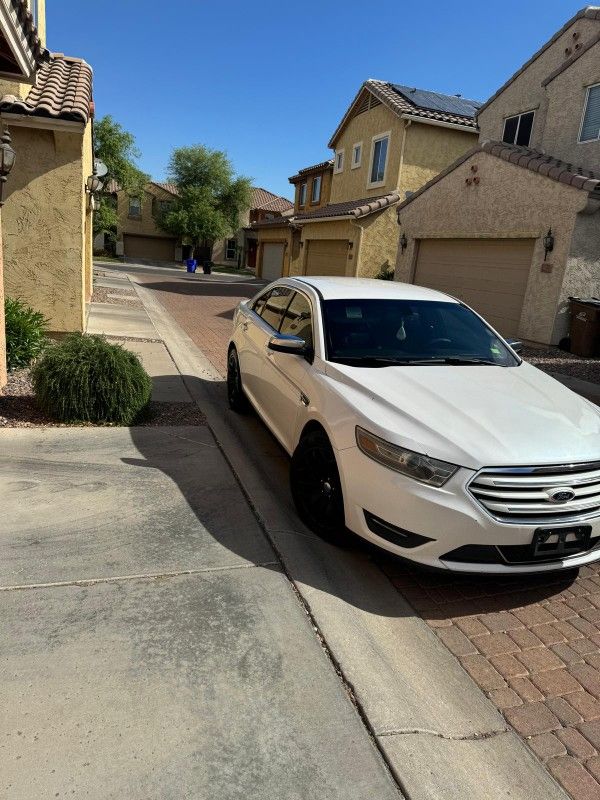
<point x="448" y="104"/>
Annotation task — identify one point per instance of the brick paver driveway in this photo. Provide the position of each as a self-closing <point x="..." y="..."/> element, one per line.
<point x="530" y="643"/>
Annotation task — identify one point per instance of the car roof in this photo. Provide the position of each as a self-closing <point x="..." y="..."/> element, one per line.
<point x="334" y="288"/>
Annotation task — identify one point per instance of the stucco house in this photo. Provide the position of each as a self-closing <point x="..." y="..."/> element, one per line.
<point x="513" y="226"/>
<point x="46" y="105"/>
<point x="139" y="236"/>
<point x="279" y="238"/>
<point x="391" y="141"/>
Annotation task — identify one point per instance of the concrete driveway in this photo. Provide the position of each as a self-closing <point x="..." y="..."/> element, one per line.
<point x="152" y="647"/>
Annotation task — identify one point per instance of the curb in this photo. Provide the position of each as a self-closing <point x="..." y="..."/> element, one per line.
<point x="438" y="733"/>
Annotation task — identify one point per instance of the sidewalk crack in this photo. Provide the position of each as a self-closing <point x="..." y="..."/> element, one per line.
<point x="470" y="737"/>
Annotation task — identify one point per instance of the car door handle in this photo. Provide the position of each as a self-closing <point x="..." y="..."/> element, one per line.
<point x="304" y="399"/>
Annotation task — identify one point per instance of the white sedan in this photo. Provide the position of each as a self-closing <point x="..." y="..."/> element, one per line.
<point x="415" y="425"/>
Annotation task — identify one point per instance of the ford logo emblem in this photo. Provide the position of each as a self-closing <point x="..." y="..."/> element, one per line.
<point x="562" y="494"/>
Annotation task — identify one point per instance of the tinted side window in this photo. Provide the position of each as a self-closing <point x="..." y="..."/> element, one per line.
<point x="275" y="305"/>
<point x="259" y="303"/>
<point x="297" y="320"/>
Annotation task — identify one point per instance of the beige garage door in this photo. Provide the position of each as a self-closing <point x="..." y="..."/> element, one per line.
<point x="156" y="248"/>
<point x="272" y="262"/>
<point x="490" y="275"/>
<point x="326" y="256"/>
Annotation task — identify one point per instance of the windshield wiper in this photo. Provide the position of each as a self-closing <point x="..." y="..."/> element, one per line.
<point x="370" y="361"/>
<point x="454" y="361"/>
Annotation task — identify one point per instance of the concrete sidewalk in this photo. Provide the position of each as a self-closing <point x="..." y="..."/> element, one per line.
<point x="152" y="645"/>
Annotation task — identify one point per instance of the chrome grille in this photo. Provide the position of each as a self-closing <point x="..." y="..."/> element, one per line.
<point x="523" y="494"/>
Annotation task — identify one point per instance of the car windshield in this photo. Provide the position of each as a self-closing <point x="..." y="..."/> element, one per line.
<point x="379" y="333"/>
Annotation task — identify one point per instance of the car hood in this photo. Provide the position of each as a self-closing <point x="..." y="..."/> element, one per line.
<point x="473" y="416"/>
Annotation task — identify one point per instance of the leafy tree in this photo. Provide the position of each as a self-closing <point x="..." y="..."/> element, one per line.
<point x="116" y="148"/>
<point x="210" y="200"/>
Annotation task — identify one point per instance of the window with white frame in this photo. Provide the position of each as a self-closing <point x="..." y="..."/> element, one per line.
<point x="590" y="123"/>
<point x="338" y="163"/>
<point x="379" y="159"/>
<point x="230" y="249"/>
<point x="315" y="194"/>
<point x="302" y="195"/>
<point x="517" y="129"/>
<point x="356" y="155"/>
<point x="135" y="206"/>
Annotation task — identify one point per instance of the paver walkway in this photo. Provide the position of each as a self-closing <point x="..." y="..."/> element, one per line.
<point x="532" y="644"/>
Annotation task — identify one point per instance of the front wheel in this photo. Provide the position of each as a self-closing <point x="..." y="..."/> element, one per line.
<point x="235" y="393"/>
<point x="317" y="489"/>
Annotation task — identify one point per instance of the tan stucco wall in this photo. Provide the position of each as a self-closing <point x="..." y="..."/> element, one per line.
<point x="508" y="202"/>
<point x="429" y="149"/>
<point x="326" y="176"/>
<point x="379" y="243"/>
<point x="144" y="225"/>
<point x="566" y="100"/>
<point x="526" y="93"/>
<point x="87" y="230"/>
<point x="43" y="225"/>
<point x="582" y="277"/>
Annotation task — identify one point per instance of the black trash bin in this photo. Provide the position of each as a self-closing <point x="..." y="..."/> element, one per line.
<point x="207" y="267"/>
<point x="585" y="326"/>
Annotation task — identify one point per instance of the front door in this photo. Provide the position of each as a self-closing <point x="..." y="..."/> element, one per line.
<point x="251" y="257"/>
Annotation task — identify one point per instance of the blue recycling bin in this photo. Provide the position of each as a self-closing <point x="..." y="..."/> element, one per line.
<point x="191" y="264"/>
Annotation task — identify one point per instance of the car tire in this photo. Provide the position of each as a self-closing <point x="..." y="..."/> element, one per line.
<point x="316" y="488"/>
<point x="238" y="401"/>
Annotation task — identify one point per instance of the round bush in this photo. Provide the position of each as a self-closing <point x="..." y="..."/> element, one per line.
<point x="87" y="379"/>
<point x="25" y="334"/>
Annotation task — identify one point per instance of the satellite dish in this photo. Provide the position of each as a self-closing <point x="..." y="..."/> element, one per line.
<point x="100" y="168"/>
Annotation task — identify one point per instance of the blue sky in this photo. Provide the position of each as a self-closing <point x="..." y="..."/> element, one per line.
<point x="269" y="81"/>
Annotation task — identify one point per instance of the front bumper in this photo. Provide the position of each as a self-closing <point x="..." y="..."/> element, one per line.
<point x="446" y="519"/>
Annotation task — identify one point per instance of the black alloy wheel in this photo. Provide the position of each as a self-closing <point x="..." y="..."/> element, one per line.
<point x="317" y="489"/>
<point x="235" y="394"/>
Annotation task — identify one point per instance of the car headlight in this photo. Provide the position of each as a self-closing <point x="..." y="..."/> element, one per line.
<point x="415" y="465"/>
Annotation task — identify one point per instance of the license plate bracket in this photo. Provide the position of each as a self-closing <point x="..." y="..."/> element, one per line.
<point x="561" y="542"/>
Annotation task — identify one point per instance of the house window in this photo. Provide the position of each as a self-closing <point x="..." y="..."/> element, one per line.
<point x="379" y="159"/>
<point x="302" y="195"/>
<point x="338" y="165"/>
<point x="165" y="206"/>
<point x="135" y="207"/>
<point x="356" y="155"/>
<point x="230" y="249"/>
<point x="315" y="194"/>
<point x="517" y="130"/>
<point x="590" y="124"/>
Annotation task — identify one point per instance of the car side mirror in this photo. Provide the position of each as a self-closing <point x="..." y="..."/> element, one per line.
<point x="516" y="345"/>
<point x="282" y="343"/>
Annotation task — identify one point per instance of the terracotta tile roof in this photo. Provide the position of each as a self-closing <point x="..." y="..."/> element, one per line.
<point x="168" y="187"/>
<point x="353" y="209"/>
<point x="532" y="160"/>
<point x="590" y="12"/>
<point x="424" y="104"/>
<point x="62" y="90"/>
<point x="323" y="165"/>
<point x="263" y="200"/>
<point x="276" y="222"/>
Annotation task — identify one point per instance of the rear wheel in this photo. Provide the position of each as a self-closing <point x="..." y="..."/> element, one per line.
<point x="235" y="393"/>
<point x="317" y="489"/>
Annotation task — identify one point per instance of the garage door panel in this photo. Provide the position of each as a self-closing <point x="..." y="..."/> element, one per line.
<point x="488" y="274"/>
<point x="326" y="256"/>
<point x="272" y="261"/>
<point x="156" y="248"/>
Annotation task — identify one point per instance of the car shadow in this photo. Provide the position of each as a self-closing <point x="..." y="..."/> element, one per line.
<point x="195" y="288"/>
<point x="360" y="574"/>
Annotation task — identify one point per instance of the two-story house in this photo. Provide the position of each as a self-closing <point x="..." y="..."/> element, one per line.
<point x="391" y="141"/>
<point x="140" y="238"/>
<point x="46" y="106"/>
<point x="513" y="226"/>
<point x="279" y="238"/>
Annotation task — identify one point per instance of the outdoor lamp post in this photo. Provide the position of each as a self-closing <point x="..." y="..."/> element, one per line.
<point x="7" y="161"/>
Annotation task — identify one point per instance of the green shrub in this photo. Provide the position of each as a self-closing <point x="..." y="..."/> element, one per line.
<point x="25" y="334"/>
<point x="87" y="379"/>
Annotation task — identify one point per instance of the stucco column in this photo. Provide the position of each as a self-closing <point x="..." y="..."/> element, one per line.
<point x="3" y="376"/>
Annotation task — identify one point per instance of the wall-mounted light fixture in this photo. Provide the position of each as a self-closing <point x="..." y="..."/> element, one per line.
<point x="403" y="242"/>
<point x="7" y="162"/>
<point x="548" y="243"/>
<point x="93" y="183"/>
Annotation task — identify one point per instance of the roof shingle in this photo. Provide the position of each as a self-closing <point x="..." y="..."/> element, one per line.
<point x="351" y="208"/>
<point x="263" y="200"/>
<point x="314" y="168"/>
<point x="62" y="90"/>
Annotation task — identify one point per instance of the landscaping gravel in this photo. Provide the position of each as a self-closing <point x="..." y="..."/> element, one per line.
<point x="18" y="409"/>
<point x="128" y="297"/>
<point x="552" y="359"/>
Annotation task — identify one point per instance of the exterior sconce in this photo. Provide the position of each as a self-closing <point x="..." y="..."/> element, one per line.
<point x="350" y="244"/>
<point x="7" y="162"/>
<point x="548" y="243"/>
<point x="403" y="242"/>
<point x="94" y="184"/>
